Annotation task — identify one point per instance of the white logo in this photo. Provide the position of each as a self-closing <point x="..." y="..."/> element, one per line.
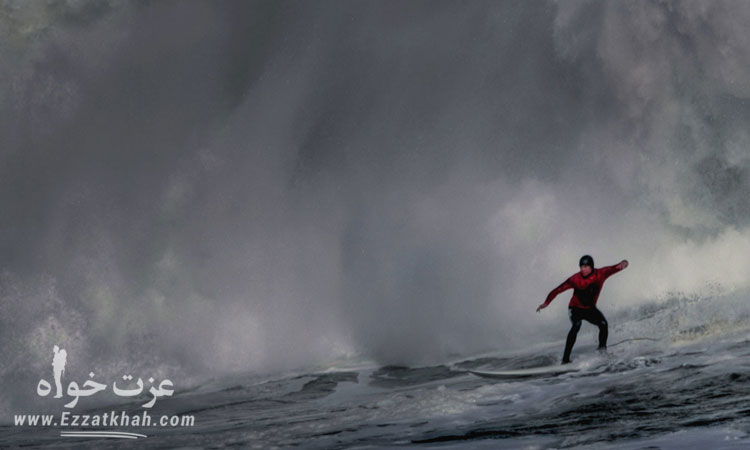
<point x="59" y="360"/>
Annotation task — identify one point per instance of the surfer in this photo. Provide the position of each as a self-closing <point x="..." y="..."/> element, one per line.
<point x="586" y="286"/>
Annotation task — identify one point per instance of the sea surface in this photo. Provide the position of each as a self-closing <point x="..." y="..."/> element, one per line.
<point x="676" y="376"/>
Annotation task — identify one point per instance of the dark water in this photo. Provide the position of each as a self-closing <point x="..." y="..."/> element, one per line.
<point x="687" y="388"/>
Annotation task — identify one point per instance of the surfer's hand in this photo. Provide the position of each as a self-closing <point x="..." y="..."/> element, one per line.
<point x="541" y="307"/>
<point x="623" y="264"/>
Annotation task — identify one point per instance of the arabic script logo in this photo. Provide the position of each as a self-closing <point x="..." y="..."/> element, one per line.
<point x="59" y="360"/>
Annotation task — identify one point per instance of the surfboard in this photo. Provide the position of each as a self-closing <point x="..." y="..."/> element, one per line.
<point x="546" y="371"/>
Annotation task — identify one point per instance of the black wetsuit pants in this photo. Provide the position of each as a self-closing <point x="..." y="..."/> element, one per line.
<point x="592" y="315"/>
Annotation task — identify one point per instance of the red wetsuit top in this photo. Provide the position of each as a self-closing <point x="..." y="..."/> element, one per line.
<point x="585" y="289"/>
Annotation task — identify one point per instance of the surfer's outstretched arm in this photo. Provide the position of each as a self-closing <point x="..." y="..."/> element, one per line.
<point x="563" y="287"/>
<point x="611" y="270"/>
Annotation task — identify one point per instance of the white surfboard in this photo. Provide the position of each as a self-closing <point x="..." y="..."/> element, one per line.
<point x="546" y="371"/>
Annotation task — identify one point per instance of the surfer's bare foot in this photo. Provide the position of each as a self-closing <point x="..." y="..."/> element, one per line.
<point x="565" y="361"/>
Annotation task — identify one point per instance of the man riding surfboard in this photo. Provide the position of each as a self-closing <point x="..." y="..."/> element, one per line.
<point x="586" y="285"/>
